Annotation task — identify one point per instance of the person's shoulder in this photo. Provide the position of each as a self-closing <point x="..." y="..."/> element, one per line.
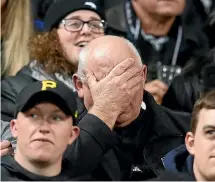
<point x="7" y="168"/>
<point x="165" y="116"/>
<point x="13" y="84"/>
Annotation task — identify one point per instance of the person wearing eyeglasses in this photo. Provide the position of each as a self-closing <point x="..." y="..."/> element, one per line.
<point x="69" y="26"/>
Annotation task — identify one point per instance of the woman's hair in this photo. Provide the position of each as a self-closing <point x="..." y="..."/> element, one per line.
<point x="45" y="47"/>
<point x="17" y="27"/>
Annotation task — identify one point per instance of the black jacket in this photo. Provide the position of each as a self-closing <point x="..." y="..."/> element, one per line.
<point x="179" y="160"/>
<point x="12" y="85"/>
<point x="183" y="93"/>
<point x="187" y="88"/>
<point x="13" y="171"/>
<point x="141" y="145"/>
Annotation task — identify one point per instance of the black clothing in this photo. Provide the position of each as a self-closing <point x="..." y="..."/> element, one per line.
<point x="188" y="87"/>
<point x="141" y="145"/>
<point x="173" y="176"/>
<point x="13" y="171"/>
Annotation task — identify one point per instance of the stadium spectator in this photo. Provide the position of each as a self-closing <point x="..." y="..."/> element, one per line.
<point x="142" y="127"/>
<point x="43" y="127"/>
<point x="16" y="29"/>
<point x="197" y="157"/>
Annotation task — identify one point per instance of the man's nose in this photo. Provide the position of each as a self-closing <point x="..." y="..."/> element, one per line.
<point x="44" y="127"/>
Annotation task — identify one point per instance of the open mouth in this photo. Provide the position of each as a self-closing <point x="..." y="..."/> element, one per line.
<point x="82" y="44"/>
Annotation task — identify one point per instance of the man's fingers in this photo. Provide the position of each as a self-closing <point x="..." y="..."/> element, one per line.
<point x="157" y="98"/>
<point x="156" y="87"/>
<point x="7" y="151"/>
<point x="161" y="85"/>
<point x="131" y="73"/>
<point x="151" y="88"/>
<point x="135" y="81"/>
<point x="90" y="77"/>
<point x="161" y="92"/>
<point x="137" y="88"/>
<point x="5" y="144"/>
<point x="122" y="67"/>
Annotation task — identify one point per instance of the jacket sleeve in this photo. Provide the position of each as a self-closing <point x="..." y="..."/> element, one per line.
<point x="8" y="98"/>
<point x="181" y="120"/>
<point x="176" y="97"/>
<point x="95" y="139"/>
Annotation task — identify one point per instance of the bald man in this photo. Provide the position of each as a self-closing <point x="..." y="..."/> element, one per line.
<point x="110" y="84"/>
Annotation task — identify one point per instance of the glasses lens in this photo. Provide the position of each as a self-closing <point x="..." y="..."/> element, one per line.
<point x="97" y="26"/>
<point x="73" y="25"/>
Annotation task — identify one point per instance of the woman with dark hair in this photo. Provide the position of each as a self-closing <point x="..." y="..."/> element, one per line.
<point x="69" y="26"/>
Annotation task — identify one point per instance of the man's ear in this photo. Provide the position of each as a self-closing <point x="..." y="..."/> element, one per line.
<point x="13" y="127"/>
<point x="74" y="134"/>
<point x="189" y="142"/>
<point x="78" y="85"/>
<point x="144" y="72"/>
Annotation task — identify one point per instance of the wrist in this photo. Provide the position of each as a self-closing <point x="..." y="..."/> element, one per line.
<point x="108" y="117"/>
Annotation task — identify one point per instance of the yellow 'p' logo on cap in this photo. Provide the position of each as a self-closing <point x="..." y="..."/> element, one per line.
<point x="48" y="84"/>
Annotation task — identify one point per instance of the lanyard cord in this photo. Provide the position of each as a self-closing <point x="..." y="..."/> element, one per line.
<point x="135" y="31"/>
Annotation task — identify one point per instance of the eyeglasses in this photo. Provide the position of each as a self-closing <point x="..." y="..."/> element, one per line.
<point x="75" y="25"/>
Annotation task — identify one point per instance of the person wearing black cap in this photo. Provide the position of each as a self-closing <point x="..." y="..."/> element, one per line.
<point x="44" y="126"/>
<point x="69" y="26"/>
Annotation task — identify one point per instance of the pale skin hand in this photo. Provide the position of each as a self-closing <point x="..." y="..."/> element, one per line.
<point x="112" y="94"/>
<point x="157" y="88"/>
<point x="6" y="148"/>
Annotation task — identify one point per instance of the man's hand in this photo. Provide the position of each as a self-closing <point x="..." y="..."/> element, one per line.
<point x="157" y="88"/>
<point x="6" y="148"/>
<point x="112" y="94"/>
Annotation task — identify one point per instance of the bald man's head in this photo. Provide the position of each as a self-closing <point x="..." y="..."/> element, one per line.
<point x="102" y="54"/>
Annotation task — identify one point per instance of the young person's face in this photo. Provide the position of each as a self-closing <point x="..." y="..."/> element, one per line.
<point x="202" y="145"/>
<point x="43" y="133"/>
<point x="73" y="42"/>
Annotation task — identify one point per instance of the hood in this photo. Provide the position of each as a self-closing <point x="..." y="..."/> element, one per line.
<point x="179" y="160"/>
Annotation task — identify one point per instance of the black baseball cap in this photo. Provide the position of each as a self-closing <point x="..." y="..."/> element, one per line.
<point x="61" y="8"/>
<point x="47" y="91"/>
